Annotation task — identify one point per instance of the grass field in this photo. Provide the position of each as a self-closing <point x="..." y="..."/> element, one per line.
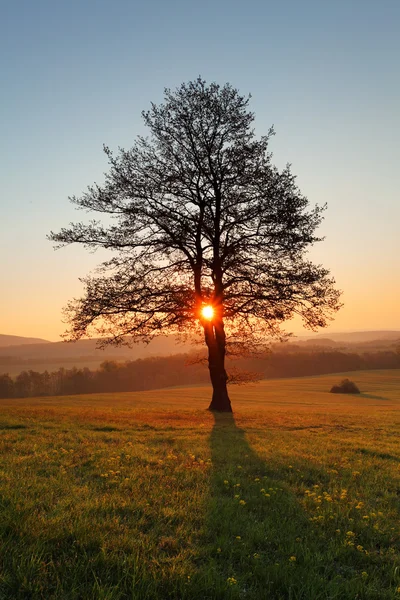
<point x="147" y="495"/>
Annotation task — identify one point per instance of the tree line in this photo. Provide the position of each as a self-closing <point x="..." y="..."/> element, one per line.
<point x="183" y="369"/>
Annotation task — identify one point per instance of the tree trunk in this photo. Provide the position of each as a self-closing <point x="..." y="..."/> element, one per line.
<point x="215" y="340"/>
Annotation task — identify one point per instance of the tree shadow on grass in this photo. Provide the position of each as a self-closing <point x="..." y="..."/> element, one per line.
<point x="260" y="542"/>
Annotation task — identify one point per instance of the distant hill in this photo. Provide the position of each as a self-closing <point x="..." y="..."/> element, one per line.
<point x="84" y="353"/>
<point x="356" y="337"/>
<point x="20" y="353"/>
<point x="16" y="340"/>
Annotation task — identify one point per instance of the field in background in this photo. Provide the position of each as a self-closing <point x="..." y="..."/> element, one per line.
<point x="147" y="495"/>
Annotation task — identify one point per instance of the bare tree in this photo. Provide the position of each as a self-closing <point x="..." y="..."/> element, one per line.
<point x="208" y="234"/>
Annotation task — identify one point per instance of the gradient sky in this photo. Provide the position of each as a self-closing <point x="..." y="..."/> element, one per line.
<point x="77" y="74"/>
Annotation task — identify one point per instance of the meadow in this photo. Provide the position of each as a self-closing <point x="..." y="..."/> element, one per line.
<point x="147" y="495"/>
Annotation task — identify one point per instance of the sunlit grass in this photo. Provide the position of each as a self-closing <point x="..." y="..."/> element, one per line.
<point x="147" y="495"/>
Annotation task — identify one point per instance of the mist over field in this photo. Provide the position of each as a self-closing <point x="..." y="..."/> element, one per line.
<point x="48" y="369"/>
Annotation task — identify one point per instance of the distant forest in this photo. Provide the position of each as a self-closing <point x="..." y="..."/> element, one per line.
<point x="160" y="372"/>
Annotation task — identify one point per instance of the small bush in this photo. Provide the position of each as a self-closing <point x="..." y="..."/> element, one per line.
<point x="345" y="387"/>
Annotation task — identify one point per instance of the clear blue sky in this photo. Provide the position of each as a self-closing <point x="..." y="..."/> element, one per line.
<point x="77" y="74"/>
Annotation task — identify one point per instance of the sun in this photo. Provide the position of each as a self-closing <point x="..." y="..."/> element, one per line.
<point x="207" y="312"/>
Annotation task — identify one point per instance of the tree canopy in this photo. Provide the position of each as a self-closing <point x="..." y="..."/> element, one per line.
<point x="202" y="217"/>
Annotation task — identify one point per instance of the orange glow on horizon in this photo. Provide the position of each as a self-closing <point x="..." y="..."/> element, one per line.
<point x="207" y="312"/>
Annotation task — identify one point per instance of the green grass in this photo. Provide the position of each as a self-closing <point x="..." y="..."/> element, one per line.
<point x="146" y="495"/>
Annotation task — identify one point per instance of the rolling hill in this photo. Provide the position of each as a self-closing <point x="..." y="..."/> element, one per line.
<point x="16" y="340"/>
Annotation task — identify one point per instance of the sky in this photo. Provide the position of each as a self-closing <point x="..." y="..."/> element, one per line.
<point x="76" y="75"/>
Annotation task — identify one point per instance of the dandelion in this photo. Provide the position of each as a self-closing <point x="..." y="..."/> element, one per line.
<point x="267" y="495"/>
<point x="262" y="491"/>
<point x="219" y="550"/>
<point x="238" y="537"/>
<point x="236" y="496"/>
<point x="239" y="467"/>
<point x="366" y="518"/>
<point x="242" y="502"/>
<point x="292" y="559"/>
<point x="350" y="534"/>
<point x="337" y="530"/>
<point x="356" y="473"/>
<point x="359" y="505"/>
<point x="360" y="548"/>
<point x="231" y="581"/>
<point x="364" y="574"/>
<point x="257" y="479"/>
<point x="256" y="555"/>
<point x="226" y="482"/>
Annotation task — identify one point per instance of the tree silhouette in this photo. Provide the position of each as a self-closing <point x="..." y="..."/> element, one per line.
<point x="202" y="218"/>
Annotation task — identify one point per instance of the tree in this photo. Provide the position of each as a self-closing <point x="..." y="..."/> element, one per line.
<point x="209" y="235"/>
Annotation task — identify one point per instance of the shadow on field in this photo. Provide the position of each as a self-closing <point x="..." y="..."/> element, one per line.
<point x="372" y="396"/>
<point x="259" y="541"/>
<point x="255" y="525"/>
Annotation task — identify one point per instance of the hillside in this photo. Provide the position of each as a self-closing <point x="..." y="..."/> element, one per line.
<point x="42" y="355"/>
<point x="17" y="340"/>
<point x="84" y="353"/>
<point x="356" y="337"/>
